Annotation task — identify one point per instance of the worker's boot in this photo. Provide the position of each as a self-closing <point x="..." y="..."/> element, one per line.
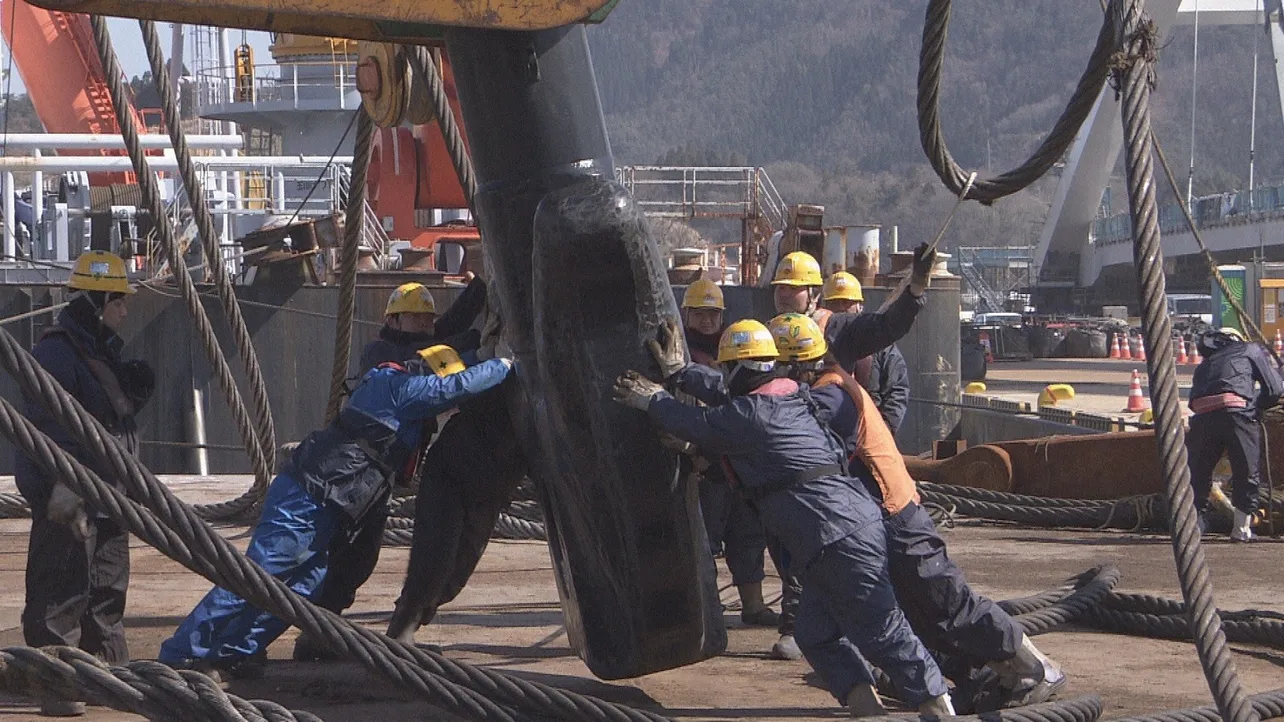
<point x="786" y="649"/>
<point x="1028" y="678"/>
<point x="1242" y="527"/>
<point x="310" y="649"/>
<point x="937" y="707"/>
<point x="753" y="610"/>
<point x="51" y="707"/>
<point x="863" y="701"/>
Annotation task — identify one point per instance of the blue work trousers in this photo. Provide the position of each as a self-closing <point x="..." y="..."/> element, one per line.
<point x="849" y="613"/>
<point x="733" y="526"/>
<point x="291" y="543"/>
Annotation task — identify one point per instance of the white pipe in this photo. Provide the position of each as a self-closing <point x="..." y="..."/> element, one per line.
<point x="176" y="63"/>
<point x="93" y="141"/>
<point x="63" y="164"/>
<point x="37" y="205"/>
<point x="10" y="228"/>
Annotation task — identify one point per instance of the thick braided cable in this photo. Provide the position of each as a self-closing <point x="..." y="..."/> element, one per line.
<point x="423" y="63"/>
<point x="1058" y="140"/>
<point x="146" y="688"/>
<point x="1135" y="76"/>
<point x="353" y="224"/>
<point x="418" y="669"/>
<point x="183" y="278"/>
<point x="209" y="243"/>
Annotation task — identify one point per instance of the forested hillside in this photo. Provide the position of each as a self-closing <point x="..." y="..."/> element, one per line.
<point x="823" y="95"/>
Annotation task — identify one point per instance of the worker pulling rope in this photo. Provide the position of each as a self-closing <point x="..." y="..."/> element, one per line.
<point x="209" y="242"/>
<point x="209" y="341"/>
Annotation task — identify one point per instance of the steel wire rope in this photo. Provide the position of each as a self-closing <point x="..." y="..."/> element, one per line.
<point x="209" y="341"/>
<point x="146" y="688"/>
<point x="353" y="226"/>
<point x="1133" y="70"/>
<point x="208" y="236"/>
<point x="174" y="528"/>
<point x="326" y="169"/>
<point x="421" y="60"/>
<point x="1058" y="140"/>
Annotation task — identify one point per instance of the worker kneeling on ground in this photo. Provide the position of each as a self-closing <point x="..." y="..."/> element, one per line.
<point x="793" y="469"/>
<point x="78" y="558"/>
<point x="732" y="526"/>
<point x="1231" y="387"/>
<point x="334" y="479"/>
<point x="884" y="373"/>
<point x="965" y="631"/>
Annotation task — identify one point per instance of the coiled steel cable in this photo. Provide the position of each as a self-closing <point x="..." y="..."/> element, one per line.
<point x="931" y="66"/>
<point x="1134" y="76"/>
<point x="1268" y="705"/>
<point x="1079" y="709"/>
<point x="205" y="331"/>
<point x="353" y="224"/>
<point x="172" y="527"/>
<point x="209" y="243"/>
<point x="151" y="689"/>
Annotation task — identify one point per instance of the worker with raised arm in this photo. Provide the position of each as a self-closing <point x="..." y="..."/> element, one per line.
<point x="333" y="481"/>
<point x="411" y="323"/>
<point x="797" y="288"/>
<point x="794" y="471"/>
<point x="1234" y="383"/>
<point x="884" y="373"/>
<point x="966" y="630"/>
<point x="77" y="558"/>
<point x="732" y="526"/>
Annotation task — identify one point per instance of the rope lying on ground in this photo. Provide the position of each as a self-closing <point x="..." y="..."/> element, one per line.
<point x="259" y="457"/>
<point x="150" y="689"/>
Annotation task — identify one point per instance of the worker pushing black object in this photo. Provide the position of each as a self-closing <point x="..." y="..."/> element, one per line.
<point x="580" y="286"/>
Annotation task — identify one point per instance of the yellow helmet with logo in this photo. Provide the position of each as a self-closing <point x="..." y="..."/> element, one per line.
<point x="798" y="337"/>
<point x="410" y="298"/>
<point x="747" y="339"/>
<point x="442" y="360"/>
<point x="842" y="286"/>
<point x="100" y="271"/>
<point x="798" y="269"/>
<point x="703" y="294"/>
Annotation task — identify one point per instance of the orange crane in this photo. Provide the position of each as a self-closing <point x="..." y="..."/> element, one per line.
<point x="54" y="53"/>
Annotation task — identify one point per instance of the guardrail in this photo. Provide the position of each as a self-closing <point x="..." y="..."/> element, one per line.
<point x="1221" y="209"/>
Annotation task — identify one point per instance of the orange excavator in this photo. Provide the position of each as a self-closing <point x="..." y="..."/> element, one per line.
<point x="54" y="53"/>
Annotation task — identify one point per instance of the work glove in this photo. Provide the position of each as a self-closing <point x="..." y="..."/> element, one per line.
<point x="68" y="509"/>
<point x="138" y="381"/>
<point x="921" y="275"/>
<point x="635" y="390"/>
<point x="669" y="348"/>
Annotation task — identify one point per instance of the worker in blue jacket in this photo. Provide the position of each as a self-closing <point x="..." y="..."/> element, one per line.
<point x="411" y="322"/>
<point x="793" y="469"/>
<point x="334" y="480"/>
<point x="1234" y="383"/>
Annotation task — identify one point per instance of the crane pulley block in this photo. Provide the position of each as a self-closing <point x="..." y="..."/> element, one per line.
<point x="406" y="21"/>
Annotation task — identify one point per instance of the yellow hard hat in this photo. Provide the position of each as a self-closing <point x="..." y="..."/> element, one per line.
<point x="842" y="286"/>
<point x="703" y="294"/>
<point x="410" y="298"/>
<point x="442" y="360"/>
<point x="798" y="337"/>
<point x="798" y="269"/>
<point x="100" y="271"/>
<point x="747" y="339"/>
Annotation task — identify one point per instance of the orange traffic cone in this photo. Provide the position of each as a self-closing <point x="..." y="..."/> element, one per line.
<point x="1279" y="344"/>
<point x="1182" y="358"/>
<point x="1141" y="350"/>
<point x="1136" y="402"/>
<point x="985" y="342"/>
<point x="1125" y="348"/>
<point x="1114" y="348"/>
<point x="1195" y="358"/>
